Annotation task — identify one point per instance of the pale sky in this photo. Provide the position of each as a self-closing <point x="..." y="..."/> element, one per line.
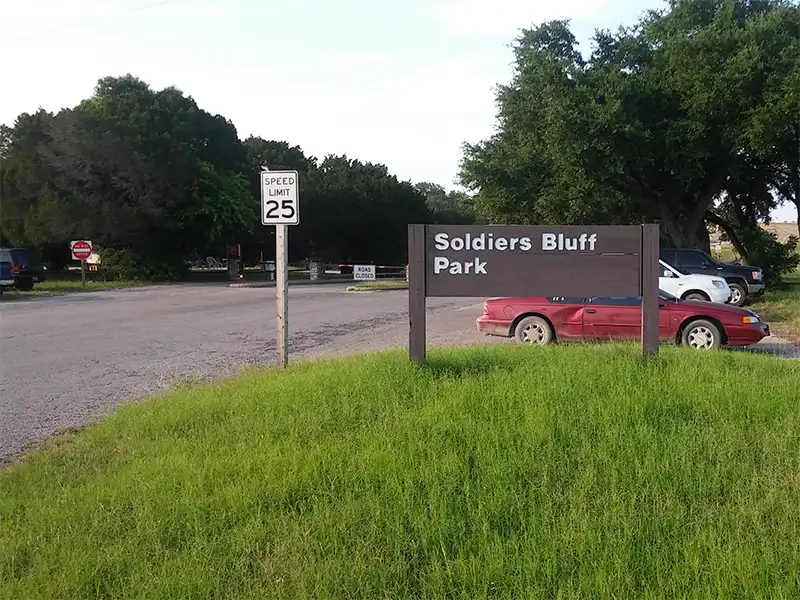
<point x="399" y="82"/>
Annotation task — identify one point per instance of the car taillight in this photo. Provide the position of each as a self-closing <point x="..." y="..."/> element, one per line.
<point x="15" y="270"/>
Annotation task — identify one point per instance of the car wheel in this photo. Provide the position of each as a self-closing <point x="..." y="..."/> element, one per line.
<point x="738" y="294"/>
<point x="696" y="296"/>
<point x="702" y="335"/>
<point x="24" y="285"/>
<point x="534" y="331"/>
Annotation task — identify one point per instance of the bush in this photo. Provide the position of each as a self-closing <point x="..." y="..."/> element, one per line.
<point x="775" y="259"/>
<point x="125" y="264"/>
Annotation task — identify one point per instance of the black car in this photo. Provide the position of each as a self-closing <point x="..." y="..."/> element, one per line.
<point x="745" y="281"/>
<point x="26" y="270"/>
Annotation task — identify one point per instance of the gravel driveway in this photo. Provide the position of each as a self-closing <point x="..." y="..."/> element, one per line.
<point x="68" y="359"/>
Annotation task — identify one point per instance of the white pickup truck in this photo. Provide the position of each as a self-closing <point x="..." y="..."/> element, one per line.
<point x="687" y="286"/>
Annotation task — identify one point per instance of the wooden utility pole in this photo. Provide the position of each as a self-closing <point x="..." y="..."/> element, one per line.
<point x="282" y="288"/>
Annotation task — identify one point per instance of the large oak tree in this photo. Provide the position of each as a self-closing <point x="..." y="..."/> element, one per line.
<point x="666" y="121"/>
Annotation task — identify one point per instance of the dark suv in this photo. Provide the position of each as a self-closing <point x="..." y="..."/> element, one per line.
<point x="745" y="281"/>
<point x="26" y="270"/>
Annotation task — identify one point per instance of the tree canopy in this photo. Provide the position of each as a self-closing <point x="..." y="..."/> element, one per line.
<point x="691" y="115"/>
<point x="151" y="174"/>
<point x="688" y="117"/>
<point x="448" y="207"/>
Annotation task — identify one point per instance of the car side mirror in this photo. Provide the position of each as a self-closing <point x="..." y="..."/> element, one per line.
<point x="667" y="274"/>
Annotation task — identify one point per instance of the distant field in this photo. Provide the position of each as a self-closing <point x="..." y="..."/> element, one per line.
<point x="725" y="250"/>
<point x="783" y="230"/>
<point x="563" y="472"/>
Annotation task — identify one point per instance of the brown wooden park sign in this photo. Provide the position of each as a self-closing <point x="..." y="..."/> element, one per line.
<point x="519" y="260"/>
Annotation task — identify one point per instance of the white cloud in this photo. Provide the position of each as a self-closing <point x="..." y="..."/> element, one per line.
<point x="349" y="62"/>
<point x="505" y="17"/>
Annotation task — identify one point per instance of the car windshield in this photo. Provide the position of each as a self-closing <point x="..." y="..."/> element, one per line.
<point x="630" y="300"/>
<point x="667" y="296"/>
<point x="679" y="270"/>
<point x="711" y="260"/>
<point x="22" y="257"/>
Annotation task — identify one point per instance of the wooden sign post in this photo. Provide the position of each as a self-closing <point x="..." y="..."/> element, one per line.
<point x="516" y="260"/>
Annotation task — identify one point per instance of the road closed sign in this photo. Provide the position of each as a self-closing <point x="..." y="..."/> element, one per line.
<point x="81" y="249"/>
<point x="364" y="272"/>
<point x="280" y="193"/>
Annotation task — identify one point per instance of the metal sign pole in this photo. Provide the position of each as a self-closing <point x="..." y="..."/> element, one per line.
<point x="282" y="288"/>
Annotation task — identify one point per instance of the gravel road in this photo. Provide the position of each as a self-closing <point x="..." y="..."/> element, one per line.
<point x="65" y="360"/>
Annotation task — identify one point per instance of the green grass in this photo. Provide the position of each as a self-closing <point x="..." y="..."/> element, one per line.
<point x="781" y="309"/>
<point x="72" y="285"/>
<point x="379" y="285"/>
<point x="55" y="288"/>
<point x="564" y="472"/>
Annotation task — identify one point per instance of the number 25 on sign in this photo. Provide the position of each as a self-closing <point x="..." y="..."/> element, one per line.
<point x="279" y="198"/>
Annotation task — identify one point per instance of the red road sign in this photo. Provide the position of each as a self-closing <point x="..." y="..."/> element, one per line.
<point x="81" y="249"/>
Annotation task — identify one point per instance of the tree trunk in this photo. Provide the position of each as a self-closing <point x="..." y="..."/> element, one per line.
<point x="797" y="203"/>
<point x="671" y="230"/>
<point x="731" y="233"/>
<point x="796" y="174"/>
<point x="703" y="239"/>
<point x="703" y="200"/>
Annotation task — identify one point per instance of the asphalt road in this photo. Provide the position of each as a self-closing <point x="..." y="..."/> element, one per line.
<point x="70" y="358"/>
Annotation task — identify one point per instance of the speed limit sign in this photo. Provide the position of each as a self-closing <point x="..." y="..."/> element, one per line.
<point x="280" y="198"/>
<point x="280" y="206"/>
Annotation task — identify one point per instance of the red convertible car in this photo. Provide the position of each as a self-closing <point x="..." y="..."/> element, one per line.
<point x="701" y="325"/>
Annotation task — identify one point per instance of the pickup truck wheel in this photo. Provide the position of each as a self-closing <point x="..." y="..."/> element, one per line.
<point x="533" y="331"/>
<point x="701" y="335"/>
<point x="697" y="296"/>
<point x="24" y="285"/>
<point x="738" y="294"/>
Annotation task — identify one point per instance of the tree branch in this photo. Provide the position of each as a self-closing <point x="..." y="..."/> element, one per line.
<point x="714" y="218"/>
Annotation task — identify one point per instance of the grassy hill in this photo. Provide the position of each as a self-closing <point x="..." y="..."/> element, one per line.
<point x="564" y="472"/>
